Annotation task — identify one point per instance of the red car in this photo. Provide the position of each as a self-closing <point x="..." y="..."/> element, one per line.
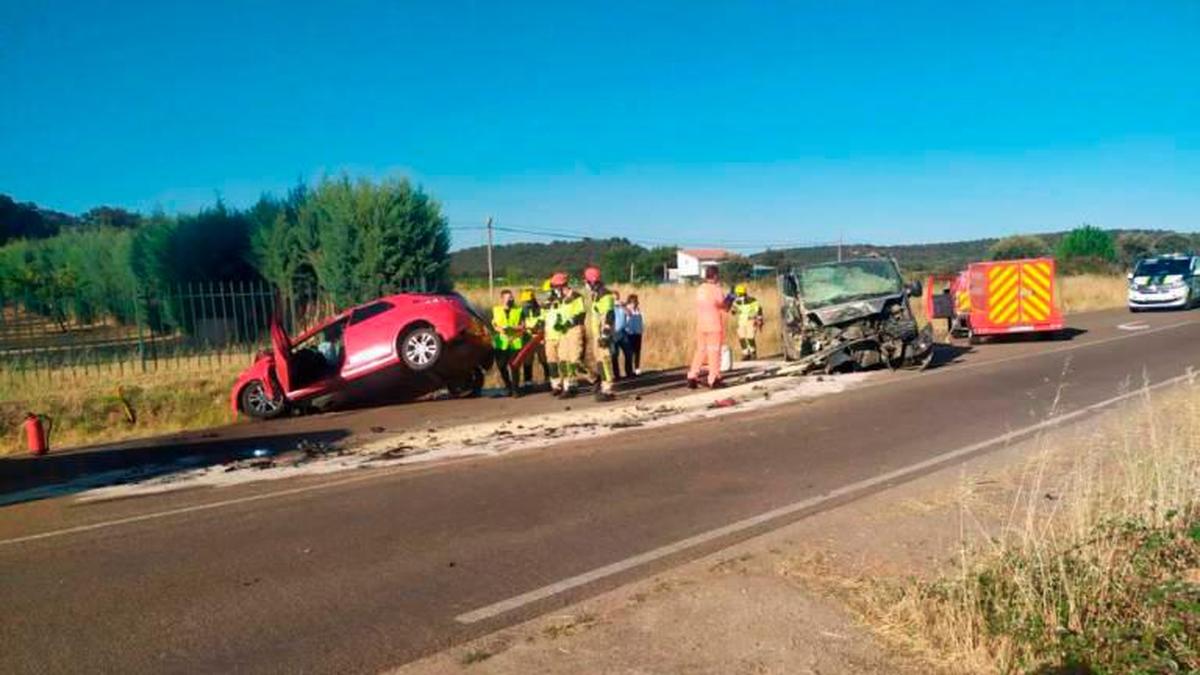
<point x="400" y="345"/>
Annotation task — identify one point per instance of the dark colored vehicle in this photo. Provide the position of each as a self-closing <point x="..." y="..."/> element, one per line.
<point x="400" y="346"/>
<point x="848" y="315"/>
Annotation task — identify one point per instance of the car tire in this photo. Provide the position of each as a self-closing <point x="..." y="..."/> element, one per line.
<point x="420" y="348"/>
<point x="254" y="402"/>
<point x="469" y="386"/>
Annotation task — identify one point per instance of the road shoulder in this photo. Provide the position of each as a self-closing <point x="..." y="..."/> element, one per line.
<point x="799" y="599"/>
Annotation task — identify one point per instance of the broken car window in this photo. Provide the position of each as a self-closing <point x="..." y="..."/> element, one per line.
<point x="833" y="283"/>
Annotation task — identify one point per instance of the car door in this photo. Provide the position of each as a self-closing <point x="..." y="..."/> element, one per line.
<point x="370" y="339"/>
<point x="281" y="348"/>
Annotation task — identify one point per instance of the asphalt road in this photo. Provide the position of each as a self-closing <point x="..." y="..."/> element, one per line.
<point x="354" y="573"/>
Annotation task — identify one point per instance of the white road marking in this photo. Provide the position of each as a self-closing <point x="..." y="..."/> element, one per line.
<point x="1134" y="325"/>
<point x="189" y="509"/>
<point x="382" y="473"/>
<point x="504" y="606"/>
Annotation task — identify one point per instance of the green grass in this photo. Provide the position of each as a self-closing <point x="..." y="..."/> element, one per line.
<point x="110" y="406"/>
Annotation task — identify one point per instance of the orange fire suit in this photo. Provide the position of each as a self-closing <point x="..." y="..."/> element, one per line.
<point x="710" y="332"/>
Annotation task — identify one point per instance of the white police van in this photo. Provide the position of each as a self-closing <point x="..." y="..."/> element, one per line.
<point x="1164" y="281"/>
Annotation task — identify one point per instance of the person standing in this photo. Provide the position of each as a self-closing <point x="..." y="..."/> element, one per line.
<point x="569" y="317"/>
<point x="507" y="339"/>
<point x="618" y="337"/>
<point x="600" y="330"/>
<point x="749" y="315"/>
<point x="634" y="327"/>
<point x="552" y="335"/>
<point x="533" y="320"/>
<point x="711" y="305"/>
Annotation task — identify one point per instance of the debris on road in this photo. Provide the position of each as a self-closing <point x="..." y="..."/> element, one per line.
<point x="485" y="439"/>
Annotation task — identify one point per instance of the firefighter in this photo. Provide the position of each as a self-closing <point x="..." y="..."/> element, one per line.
<point x="569" y="317"/>
<point x="601" y="321"/>
<point x="749" y="315"/>
<point x="552" y="336"/>
<point x="533" y="320"/>
<point x="507" y="339"/>
<point x="711" y="304"/>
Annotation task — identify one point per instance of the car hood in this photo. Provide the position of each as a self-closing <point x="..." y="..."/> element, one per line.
<point x="853" y="310"/>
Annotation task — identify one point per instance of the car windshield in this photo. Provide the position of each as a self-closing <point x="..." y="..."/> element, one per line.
<point x="1156" y="267"/>
<point x="833" y="283"/>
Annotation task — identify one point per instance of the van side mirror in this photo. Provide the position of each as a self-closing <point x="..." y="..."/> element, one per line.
<point x="915" y="289"/>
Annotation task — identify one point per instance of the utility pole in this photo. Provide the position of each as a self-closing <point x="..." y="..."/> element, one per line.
<point x="491" y="273"/>
<point x="840" y="238"/>
<point x="631" y="273"/>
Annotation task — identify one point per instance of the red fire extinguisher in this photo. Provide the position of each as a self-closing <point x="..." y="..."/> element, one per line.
<point x="37" y="436"/>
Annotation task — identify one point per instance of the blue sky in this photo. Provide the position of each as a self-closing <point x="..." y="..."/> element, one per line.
<point x="747" y="124"/>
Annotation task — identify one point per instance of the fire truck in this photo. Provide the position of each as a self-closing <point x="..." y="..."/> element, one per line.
<point x="1001" y="297"/>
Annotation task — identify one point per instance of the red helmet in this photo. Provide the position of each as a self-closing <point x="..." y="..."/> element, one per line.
<point x="592" y="275"/>
<point x="558" y="279"/>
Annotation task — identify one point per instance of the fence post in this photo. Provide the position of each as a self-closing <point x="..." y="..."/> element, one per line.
<point x="137" y="319"/>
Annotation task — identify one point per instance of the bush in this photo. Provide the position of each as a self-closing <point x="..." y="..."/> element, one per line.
<point x="1173" y="243"/>
<point x="1017" y="247"/>
<point x="1087" y="242"/>
<point x="1133" y="246"/>
<point x="1127" y="604"/>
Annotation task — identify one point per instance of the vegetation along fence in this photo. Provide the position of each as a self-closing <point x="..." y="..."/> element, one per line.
<point x="209" y="325"/>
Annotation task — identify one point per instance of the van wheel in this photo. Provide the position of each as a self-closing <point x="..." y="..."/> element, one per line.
<point x="255" y="402"/>
<point x="420" y="348"/>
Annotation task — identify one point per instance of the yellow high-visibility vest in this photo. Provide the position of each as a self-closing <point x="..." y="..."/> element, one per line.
<point x="503" y="320"/>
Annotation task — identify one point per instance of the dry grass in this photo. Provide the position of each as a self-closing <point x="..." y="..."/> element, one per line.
<point x="1087" y="292"/>
<point x="89" y="406"/>
<point x="1097" y="572"/>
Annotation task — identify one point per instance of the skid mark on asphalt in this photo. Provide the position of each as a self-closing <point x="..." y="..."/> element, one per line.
<point x="862" y="486"/>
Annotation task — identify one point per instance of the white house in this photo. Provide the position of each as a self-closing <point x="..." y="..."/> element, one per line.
<point x="690" y="262"/>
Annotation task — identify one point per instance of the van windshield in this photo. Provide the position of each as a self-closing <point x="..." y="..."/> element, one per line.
<point x="834" y="283"/>
<point x="1156" y="267"/>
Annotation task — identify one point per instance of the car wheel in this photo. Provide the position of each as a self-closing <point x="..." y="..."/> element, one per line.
<point x="256" y="403"/>
<point x="468" y="387"/>
<point x="420" y="348"/>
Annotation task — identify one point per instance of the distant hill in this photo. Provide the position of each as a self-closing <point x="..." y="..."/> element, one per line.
<point x="932" y="257"/>
<point x="529" y="260"/>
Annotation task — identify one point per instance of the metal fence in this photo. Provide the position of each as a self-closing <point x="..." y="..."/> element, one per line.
<point x="211" y="325"/>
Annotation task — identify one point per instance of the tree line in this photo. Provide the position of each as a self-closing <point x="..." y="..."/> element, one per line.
<point x="351" y="240"/>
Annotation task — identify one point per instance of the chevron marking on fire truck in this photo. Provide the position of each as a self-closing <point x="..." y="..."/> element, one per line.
<point x="1035" y="303"/>
<point x="1003" y="287"/>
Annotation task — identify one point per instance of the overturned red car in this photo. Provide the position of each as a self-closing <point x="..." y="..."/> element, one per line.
<point x="396" y="347"/>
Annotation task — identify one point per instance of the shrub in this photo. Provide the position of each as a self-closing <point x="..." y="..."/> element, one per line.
<point x="1017" y="247"/>
<point x="1087" y="242"/>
